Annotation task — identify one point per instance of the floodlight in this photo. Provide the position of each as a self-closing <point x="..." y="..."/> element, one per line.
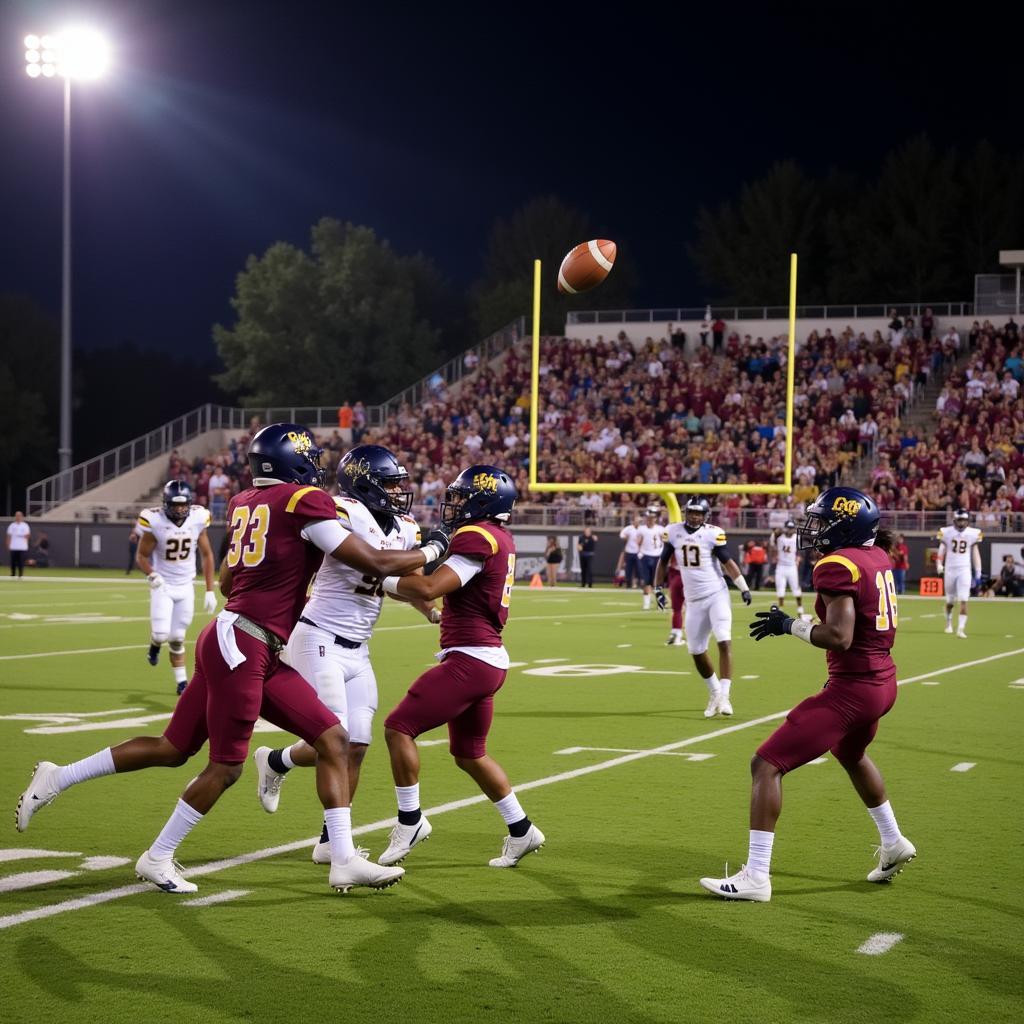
<point x="32" y="42"/>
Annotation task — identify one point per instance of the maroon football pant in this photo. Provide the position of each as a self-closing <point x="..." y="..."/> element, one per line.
<point x="460" y="692"/>
<point x="222" y="705"/>
<point x="841" y="718"/>
<point x="675" y="593"/>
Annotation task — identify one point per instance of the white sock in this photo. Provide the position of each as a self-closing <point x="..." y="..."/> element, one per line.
<point x="723" y="686"/>
<point x="408" y="797"/>
<point x="91" y="767"/>
<point x="510" y="809"/>
<point x="339" y="827"/>
<point x="647" y="601"/>
<point x="677" y="632"/>
<point x="759" y="856"/>
<point x="962" y="624"/>
<point x="712" y="681"/>
<point x="800" y="609"/>
<point x="179" y="824"/>
<point x="888" y="830"/>
<point x="286" y="757"/>
<point x="180" y="673"/>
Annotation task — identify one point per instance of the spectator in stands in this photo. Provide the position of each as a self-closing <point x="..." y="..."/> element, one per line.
<point x="40" y="553"/>
<point x="718" y="334"/>
<point x="219" y="489"/>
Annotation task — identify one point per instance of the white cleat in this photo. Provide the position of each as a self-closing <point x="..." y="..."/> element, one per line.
<point x="712" y="709"/>
<point x="515" y="848"/>
<point x="948" y="629"/>
<point x="164" y="874"/>
<point x="322" y="853"/>
<point x="42" y="790"/>
<point x="724" y="706"/>
<point x="891" y="859"/>
<point x="961" y="634"/>
<point x="358" y="871"/>
<point x="740" y="886"/>
<point x="403" y="838"/>
<point x="268" y="782"/>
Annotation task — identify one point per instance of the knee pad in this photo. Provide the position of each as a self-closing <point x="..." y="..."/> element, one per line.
<point x="159" y="638"/>
<point x="176" y="646"/>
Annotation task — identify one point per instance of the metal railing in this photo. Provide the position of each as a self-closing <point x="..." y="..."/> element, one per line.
<point x="61" y="487"/>
<point x="727" y="313"/>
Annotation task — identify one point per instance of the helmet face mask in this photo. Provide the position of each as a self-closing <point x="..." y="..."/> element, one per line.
<point x="177" y="501"/>
<point x="480" y="492"/>
<point x="961" y="518"/>
<point x="371" y="474"/>
<point x="696" y="514"/>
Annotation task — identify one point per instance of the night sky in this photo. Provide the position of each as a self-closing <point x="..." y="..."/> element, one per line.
<point x="223" y="127"/>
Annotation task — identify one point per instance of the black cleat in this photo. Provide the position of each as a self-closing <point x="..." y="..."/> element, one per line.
<point x="154" y="654"/>
<point x="181" y="688"/>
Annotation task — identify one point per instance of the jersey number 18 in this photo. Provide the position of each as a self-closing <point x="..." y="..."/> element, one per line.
<point x="887" y="613"/>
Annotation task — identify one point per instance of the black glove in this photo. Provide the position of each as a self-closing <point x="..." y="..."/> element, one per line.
<point x="659" y="597"/>
<point x="747" y="597"/>
<point x="435" y="544"/>
<point x="771" y="623"/>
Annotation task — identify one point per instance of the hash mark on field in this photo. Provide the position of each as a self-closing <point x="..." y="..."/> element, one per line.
<point x="750" y="677"/>
<point x="964" y="766"/>
<point x="217" y="897"/>
<point x="430" y="743"/>
<point x="879" y="943"/>
<point x="818" y="760"/>
<point x="930" y="682"/>
<point x="16" y="854"/>
<point x="930" y="615"/>
<point x="26" y="879"/>
<point x="107" y="895"/>
<point x="623" y="645"/>
<point x="103" y="863"/>
<point x="549" y="661"/>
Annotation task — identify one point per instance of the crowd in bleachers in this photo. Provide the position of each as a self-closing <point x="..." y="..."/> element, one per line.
<point x="627" y="410"/>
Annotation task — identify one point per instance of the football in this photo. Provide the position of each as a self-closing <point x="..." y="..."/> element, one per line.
<point x="586" y="266"/>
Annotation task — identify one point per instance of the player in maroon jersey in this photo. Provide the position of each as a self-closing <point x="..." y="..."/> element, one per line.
<point x="675" y="591"/>
<point x="857" y="607"/>
<point x="279" y="529"/>
<point x="476" y="583"/>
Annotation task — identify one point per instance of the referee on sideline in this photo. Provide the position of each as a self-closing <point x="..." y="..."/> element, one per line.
<point x="17" y="540"/>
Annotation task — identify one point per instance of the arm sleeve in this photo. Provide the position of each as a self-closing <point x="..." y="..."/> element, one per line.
<point x="836" y="575"/>
<point x="723" y="553"/>
<point x="463" y="567"/>
<point x="326" y="534"/>
<point x="666" y="553"/>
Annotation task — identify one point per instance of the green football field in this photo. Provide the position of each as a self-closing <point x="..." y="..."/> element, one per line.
<point x="600" y="726"/>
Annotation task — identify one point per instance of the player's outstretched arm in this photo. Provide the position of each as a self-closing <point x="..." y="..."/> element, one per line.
<point x="423" y="588"/>
<point x="359" y="555"/>
<point x="733" y="571"/>
<point x="834" y="634"/>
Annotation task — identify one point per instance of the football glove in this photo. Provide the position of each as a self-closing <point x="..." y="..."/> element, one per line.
<point x="156" y="581"/>
<point x="747" y="597"/>
<point x="435" y="616"/>
<point x="210" y="602"/>
<point x="436" y="545"/>
<point x="659" y="597"/>
<point x="771" y="623"/>
<point x="939" y="568"/>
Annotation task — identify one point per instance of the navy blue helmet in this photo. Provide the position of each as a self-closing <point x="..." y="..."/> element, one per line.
<point x="480" y="492"/>
<point x="370" y="473"/>
<point x="287" y="452"/>
<point x="177" y="501"/>
<point x="696" y="513"/>
<point x="841" y="517"/>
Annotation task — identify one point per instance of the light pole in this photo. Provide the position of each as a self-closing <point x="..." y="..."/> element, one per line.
<point x="78" y="54"/>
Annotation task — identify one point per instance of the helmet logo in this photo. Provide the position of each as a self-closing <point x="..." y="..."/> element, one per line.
<point x="485" y="482"/>
<point x="357" y="468"/>
<point x="846" y="507"/>
<point x="302" y="443"/>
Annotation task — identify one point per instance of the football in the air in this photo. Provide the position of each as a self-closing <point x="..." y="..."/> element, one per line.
<point x="586" y="266"/>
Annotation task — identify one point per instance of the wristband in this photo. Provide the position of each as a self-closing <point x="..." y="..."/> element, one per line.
<point x="741" y="584"/>
<point x="431" y="552"/>
<point x="390" y="584"/>
<point x="800" y="629"/>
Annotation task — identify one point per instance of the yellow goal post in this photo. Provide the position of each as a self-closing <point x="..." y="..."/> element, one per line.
<point x="667" y="493"/>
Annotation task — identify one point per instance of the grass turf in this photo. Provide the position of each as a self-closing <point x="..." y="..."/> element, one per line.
<point x="607" y="923"/>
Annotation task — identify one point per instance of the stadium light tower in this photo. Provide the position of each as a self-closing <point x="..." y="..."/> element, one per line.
<point x="78" y="54"/>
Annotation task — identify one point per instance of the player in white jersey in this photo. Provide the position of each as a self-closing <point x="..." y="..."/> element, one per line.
<point x="701" y="553"/>
<point x="631" y="552"/>
<point x="959" y="561"/>
<point x="328" y="646"/>
<point x="649" y="536"/>
<point x="167" y="555"/>
<point x="787" y="566"/>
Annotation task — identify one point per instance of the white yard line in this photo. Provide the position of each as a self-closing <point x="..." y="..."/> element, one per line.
<point x="964" y="766"/>
<point x="84" y="620"/>
<point x="879" y="943"/>
<point x="85" y="650"/>
<point x="25" y="916"/>
<point x="217" y="897"/>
